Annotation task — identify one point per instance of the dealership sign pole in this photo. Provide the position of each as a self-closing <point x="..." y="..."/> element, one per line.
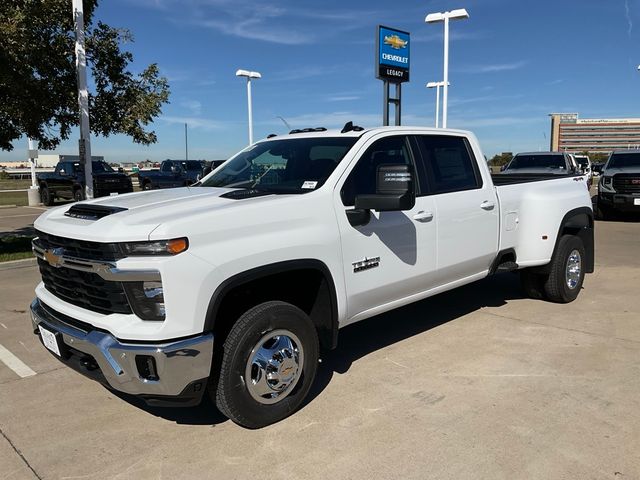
<point x="84" y="144"/>
<point x="392" y="66"/>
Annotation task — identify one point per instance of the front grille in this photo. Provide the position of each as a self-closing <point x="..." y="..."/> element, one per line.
<point x="84" y="289"/>
<point x="626" y="183"/>
<point x="81" y="248"/>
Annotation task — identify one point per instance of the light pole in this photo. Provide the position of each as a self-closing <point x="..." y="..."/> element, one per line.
<point x="84" y="148"/>
<point x="458" y="14"/>
<point x="249" y="75"/>
<point x="437" y="86"/>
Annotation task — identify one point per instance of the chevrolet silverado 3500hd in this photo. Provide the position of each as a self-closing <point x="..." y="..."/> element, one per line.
<point x="231" y="287"/>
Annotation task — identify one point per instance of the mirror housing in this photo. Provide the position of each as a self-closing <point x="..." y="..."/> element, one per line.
<point x="395" y="190"/>
<point x="120" y="170"/>
<point x="62" y="172"/>
<point x="174" y="169"/>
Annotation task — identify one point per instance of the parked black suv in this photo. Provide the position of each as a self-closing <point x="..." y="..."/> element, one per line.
<point x="619" y="185"/>
<point x="67" y="182"/>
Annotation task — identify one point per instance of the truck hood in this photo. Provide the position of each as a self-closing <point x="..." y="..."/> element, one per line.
<point x="145" y="211"/>
<point x="612" y="171"/>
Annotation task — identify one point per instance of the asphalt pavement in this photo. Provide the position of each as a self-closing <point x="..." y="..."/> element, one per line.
<point x="477" y="383"/>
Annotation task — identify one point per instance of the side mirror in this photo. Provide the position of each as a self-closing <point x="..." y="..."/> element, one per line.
<point x="120" y="170"/>
<point x="62" y="172"/>
<point x="395" y="191"/>
<point x="174" y="169"/>
<point x="503" y="167"/>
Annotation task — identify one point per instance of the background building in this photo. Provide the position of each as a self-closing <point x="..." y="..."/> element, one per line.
<point x="598" y="135"/>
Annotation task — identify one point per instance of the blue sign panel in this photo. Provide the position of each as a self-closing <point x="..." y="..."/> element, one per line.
<point x="392" y="54"/>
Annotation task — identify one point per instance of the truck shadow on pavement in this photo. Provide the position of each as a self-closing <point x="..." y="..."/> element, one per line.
<point x="358" y="340"/>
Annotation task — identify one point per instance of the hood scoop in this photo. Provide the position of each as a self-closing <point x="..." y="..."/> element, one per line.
<point x="92" y="212"/>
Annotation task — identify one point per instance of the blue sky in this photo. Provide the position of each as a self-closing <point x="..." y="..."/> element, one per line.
<point x="511" y="64"/>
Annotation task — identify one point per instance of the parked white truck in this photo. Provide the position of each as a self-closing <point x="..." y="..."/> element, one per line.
<point x="231" y="287"/>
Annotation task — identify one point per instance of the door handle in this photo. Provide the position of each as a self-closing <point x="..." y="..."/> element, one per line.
<point x="423" y="216"/>
<point x="487" y="205"/>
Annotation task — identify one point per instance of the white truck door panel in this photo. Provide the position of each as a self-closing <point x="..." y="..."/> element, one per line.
<point x="394" y="255"/>
<point x="405" y="252"/>
<point x="467" y="233"/>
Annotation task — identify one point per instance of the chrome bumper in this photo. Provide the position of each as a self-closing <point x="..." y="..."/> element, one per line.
<point x="178" y="364"/>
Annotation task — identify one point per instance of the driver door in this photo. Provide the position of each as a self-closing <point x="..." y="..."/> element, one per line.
<point x="394" y="255"/>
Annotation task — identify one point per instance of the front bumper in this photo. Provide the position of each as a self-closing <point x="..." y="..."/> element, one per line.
<point x="627" y="202"/>
<point x="182" y="366"/>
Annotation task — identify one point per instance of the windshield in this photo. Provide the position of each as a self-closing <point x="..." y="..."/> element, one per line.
<point x="582" y="161"/>
<point x="96" y="167"/>
<point x="191" y="165"/>
<point x="537" y="161"/>
<point x="622" y="160"/>
<point x="283" y="166"/>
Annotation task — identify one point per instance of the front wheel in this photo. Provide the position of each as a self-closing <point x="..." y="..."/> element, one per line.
<point x="268" y="365"/>
<point x="567" y="270"/>
<point x="46" y="196"/>
<point x="78" y="195"/>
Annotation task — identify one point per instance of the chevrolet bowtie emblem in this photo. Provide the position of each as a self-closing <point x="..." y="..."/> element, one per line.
<point x="54" y="256"/>
<point x="395" y="42"/>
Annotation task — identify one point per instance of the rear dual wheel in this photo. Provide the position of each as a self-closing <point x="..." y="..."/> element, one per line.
<point x="268" y="365"/>
<point x="564" y="280"/>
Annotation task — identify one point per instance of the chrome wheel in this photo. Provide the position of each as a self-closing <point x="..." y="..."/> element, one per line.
<point x="573" y="270"/>
<point x="274" y="366"/>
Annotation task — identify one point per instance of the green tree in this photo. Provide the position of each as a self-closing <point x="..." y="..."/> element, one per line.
<point x="38" y="89"/>
<point x="501" y="159"/>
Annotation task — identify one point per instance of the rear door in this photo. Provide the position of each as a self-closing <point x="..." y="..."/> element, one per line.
<point x="394" y="255"/>
<point x="466" y="207"/>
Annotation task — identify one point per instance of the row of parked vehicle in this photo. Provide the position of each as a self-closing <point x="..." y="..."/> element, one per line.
<point x="67" y="181"/>
<point x="619" y="177"/>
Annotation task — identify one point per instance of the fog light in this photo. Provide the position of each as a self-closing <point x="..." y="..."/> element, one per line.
<point x="146" y="365"/>
<point x="146" y="299"/>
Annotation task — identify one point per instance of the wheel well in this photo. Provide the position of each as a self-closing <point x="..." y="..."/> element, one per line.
<point x="579" y="222"/>
<point x="308" y="288"/>
<point x="43" y="185"/>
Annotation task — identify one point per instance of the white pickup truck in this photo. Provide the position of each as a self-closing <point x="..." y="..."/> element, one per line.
<point x="231" y="287"/>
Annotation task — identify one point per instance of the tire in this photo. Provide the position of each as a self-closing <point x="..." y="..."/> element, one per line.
<point x="238" y="395"/>
<point x="78" y="196"/>
<point x="146" y="186"/>
<point x="532" y="284"/>
<point x="603" y="212"/>
<point x="562" y="286"/>
<point x="46" y="196"/>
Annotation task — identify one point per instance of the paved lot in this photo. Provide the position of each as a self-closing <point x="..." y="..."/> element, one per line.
<point x="18" y="220"/>
<point x="474" y="383"/>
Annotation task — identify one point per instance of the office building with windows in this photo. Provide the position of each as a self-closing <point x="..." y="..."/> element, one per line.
<point x="596" y="135"/>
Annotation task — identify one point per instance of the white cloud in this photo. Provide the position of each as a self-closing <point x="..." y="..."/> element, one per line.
<point x="194" y="106"/>
<point x="491" y="68"/>
<point x="342" y="98"/>
<point x="195" y="122"/>
<point x="627" y="13"/>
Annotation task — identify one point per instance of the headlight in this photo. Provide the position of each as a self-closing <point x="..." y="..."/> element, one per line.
<point x="606" y="184"/>
<point x="157" y="247"/>
<point x="146" y="299"/>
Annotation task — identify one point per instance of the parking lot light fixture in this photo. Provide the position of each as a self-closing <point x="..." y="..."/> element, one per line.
<point x="437" y="86"/>
<point x="458" y="14"/>
<point x="249" y="75"/>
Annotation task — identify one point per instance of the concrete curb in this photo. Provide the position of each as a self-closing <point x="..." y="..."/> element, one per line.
<point x="8" y="206"/>
<point x="27" y="262"/>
